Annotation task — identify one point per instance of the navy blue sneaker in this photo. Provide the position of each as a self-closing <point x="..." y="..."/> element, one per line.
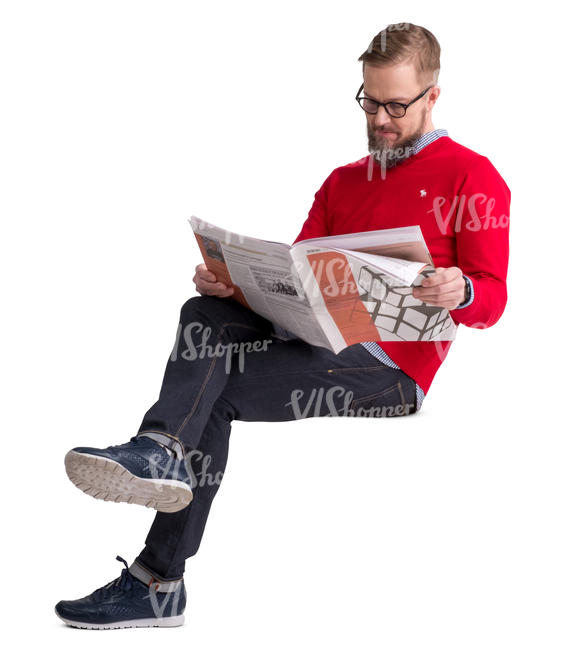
<point x="135" y="599"/>
<point x="151" y="470"/>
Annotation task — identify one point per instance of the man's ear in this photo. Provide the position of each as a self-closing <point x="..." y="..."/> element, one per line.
<point x="434" y="93"/>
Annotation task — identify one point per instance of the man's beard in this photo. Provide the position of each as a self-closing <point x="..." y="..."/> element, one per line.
<point x="391" y="155"/>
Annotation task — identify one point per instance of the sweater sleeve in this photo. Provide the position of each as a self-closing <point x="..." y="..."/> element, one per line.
<point x="482" y="244"/>
<point x="317" y="223"/>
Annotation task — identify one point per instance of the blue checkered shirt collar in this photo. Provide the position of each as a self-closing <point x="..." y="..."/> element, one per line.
<point x="427" y="138"/>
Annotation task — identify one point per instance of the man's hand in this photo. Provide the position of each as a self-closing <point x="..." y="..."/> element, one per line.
<point x="445" y="288"/>
<point x="205" y="283"/>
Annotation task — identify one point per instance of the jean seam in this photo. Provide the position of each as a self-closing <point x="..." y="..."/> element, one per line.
<point x="306" y="371"/>
<point x="402" y="394"/>
<point x="398" y="386"/>
<point x="379" y="394"/>
<point x="381" y="366"/>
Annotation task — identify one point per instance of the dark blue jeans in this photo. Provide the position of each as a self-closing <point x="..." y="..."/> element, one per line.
<point x="229" y="363"/>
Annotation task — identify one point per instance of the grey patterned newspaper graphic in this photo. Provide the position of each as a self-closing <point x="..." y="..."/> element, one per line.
<point x="393" y="308"/>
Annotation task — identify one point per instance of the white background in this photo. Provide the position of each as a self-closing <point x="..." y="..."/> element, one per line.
<point x="450" y="529"/>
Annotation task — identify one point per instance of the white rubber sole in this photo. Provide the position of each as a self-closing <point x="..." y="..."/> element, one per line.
<point x="107" y="480"/>
<point x="168" y="621"/>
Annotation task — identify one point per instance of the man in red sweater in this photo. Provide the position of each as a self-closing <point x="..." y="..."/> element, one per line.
<point x="455" y="195"/>
<point x="414" y="175"/>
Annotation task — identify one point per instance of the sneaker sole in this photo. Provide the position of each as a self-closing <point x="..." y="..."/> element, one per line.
<point x="105" y="479"/>
<point x="167" y="621"/>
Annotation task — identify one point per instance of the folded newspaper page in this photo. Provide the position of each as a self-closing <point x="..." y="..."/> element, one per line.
<point x="331" y="291"/>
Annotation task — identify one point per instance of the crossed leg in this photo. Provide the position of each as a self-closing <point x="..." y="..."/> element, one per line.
<point x="288" y="380"/>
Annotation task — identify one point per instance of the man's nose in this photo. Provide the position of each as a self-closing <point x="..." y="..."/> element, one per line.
<point x="382" y="118"/>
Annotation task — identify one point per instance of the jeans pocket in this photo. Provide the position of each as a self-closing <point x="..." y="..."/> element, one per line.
<point x="390" y="402"/>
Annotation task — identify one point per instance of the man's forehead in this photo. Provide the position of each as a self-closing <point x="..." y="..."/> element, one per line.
<point x="390" y="98"/>
<point x="396" y="82"/>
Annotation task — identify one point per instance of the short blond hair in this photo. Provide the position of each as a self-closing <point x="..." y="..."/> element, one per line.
<point x="404" y="42"/>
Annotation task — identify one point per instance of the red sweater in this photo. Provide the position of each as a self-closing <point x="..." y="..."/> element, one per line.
<point x="462" y="205"/>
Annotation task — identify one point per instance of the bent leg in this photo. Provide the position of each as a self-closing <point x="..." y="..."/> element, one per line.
<point x="211" y="340"/>
<point x="292" y="380"/>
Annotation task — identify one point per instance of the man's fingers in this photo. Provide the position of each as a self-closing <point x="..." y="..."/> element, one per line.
<point x="206" y="275"/>
<point x="436" y="298"/>
<point x="206" y="283"/>
<point x="442" y="276"/>
<point x="208" y="288"/>
<point x="202" y="272"/>
<point x="217" y="292"/>
<point x="436" y="291"/>
<point x="213" y="286"/>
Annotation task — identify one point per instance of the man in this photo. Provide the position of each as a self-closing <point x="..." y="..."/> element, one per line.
<point x="415" y="175"/>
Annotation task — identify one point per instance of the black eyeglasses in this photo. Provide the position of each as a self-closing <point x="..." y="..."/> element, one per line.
<point x="394" y="109"/>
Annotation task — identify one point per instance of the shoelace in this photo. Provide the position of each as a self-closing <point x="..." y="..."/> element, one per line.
<point x="137" y="440"/>
<point x="122" y="583"/>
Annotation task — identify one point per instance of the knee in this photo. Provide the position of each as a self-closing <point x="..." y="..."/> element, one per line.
<point x="197" y="305"/>
<point x="194" y="301"/>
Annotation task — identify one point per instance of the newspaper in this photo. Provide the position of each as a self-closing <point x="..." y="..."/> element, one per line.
<point x="331" y="291"/>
